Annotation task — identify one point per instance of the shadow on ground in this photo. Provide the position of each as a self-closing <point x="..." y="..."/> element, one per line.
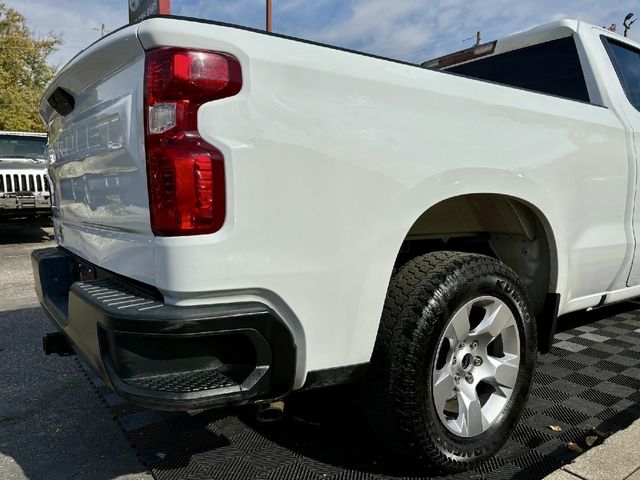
<point x="16" y="233"/>
<point x="585" y="318"/>
<point x="51" y="426"/>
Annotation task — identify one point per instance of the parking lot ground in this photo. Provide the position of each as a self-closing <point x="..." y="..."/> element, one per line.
<point x="56" y="419"/>
<point x="52" y="426"/>
<point x="16" y="278"/>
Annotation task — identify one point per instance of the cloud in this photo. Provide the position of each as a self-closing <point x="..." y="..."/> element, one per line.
<point x="411" y="30"/>
<point x="414" y="30"/>
<point x="75" y="20"/>
<point x="557" y="16"/>
<point x="243" y="12"/>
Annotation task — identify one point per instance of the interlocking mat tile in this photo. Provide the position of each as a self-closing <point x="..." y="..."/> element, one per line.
<point x="588" y="386"/>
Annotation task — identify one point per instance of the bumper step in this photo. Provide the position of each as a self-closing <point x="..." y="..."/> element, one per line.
<point x="116" y="297"/>
<point x="185" y="382"/>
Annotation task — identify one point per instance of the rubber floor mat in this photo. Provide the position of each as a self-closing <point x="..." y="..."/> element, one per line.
<point x="586" y="388"/>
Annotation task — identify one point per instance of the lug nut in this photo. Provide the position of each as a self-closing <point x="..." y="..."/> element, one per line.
<point x="474" y="344"/>
<point x="469" y="378"/>
<point x="454" y="361"/>
<point x="456" y="377"/>
<point x="477" y="361"/>
<point x="461" y="345"/>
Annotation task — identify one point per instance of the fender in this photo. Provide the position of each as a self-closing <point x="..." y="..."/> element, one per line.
<point x="444" y="186"/>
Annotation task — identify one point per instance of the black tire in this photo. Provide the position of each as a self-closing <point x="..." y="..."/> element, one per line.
<point x="422" y="297"/>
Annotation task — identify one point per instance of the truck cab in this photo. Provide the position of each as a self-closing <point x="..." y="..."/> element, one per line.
<point x="578" y="61"/>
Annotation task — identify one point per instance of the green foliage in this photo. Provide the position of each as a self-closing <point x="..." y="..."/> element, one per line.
<point x="24" y="72"/>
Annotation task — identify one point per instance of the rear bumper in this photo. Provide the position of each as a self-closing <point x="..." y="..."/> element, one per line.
<point x="162" y="356"/>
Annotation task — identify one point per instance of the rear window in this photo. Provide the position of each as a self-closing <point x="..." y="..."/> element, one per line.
<point x="552" y="68"/>
<point x="19" y="146"/>
<point x="626" y="61"/>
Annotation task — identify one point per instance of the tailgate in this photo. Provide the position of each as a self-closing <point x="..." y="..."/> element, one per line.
<point x="96" y="156"/>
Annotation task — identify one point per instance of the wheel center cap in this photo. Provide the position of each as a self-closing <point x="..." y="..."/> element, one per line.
<point x="467" y="362"/>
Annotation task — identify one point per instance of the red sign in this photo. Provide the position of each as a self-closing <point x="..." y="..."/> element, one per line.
<point x="140" y="9"/>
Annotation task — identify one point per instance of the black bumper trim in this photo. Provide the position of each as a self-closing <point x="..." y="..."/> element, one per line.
<point x="162" y="356"/>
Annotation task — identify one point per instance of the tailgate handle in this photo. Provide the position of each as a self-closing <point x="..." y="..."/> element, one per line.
<point x="61" y="101"/>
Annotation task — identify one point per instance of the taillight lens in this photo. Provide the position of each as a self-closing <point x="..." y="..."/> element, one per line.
<point x="185" y="174"/>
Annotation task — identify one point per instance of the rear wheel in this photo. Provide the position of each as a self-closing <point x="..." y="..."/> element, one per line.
<point x="453" y="361"/>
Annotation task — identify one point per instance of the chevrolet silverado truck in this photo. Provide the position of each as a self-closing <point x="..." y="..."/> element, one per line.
<point x="241" y="215"/>
<point x="24" y="185"/>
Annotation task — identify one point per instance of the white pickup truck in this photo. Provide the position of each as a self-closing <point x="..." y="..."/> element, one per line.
<point x="241" y="215"/>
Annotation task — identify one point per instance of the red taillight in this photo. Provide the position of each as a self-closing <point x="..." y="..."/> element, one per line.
<point x="185" y="174"/>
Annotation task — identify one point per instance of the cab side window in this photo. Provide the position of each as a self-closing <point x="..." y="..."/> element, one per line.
<point x="551" y="68"/>
<point x="626" y="61"/>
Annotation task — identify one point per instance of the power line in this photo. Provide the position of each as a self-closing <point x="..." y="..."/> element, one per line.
<point x="429" y="48"/>
<point x="477" y="37"/>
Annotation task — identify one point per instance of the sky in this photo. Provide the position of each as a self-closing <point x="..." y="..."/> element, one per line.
<point x="409" y="30"/>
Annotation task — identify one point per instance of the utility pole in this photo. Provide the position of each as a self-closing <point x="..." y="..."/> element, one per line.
<point x="477" y="37"/>
<point x="103" y="31"/>
<point x="269" y="15"/>
<point x="627" y="23"/>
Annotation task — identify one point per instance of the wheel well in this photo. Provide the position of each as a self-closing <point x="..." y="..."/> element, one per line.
<point x="496" y="225"/>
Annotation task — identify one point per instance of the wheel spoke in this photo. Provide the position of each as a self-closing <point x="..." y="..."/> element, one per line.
<point x="443" y="388"/>
<point x="495" y="322"/>
<point x="458" y="328"/>
<point x="470" y="414"/>
<point x="505" y="370"/>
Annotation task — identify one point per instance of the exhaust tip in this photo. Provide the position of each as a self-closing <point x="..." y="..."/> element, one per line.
<point x="270" y="412"/>
<point x="56" y="343"/>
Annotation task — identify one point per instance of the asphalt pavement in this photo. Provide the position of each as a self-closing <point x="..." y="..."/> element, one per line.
<point x="52" y="423"/>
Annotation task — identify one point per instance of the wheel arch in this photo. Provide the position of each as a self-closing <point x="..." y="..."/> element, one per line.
<point x="505" y="226"/>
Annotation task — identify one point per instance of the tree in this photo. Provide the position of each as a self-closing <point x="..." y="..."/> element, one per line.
<point x="24" y="71"/>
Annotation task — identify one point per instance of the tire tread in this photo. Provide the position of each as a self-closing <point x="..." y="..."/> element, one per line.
<point x="416" y="301"/>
